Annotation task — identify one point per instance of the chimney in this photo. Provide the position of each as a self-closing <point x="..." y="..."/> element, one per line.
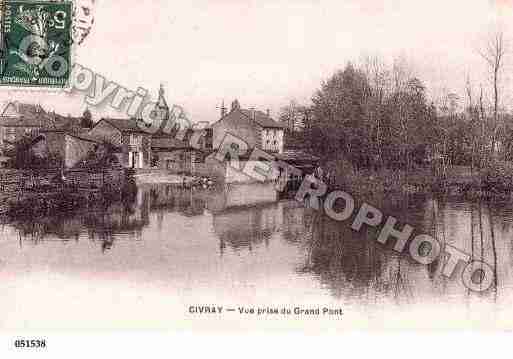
<point x="268" y="112"/>
<point x="223" y="110"/>
<point x="253" y="113"/>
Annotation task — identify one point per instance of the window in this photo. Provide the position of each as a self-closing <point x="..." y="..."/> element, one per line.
<point x="10" y="134"/>
<point x="135" y="140"/>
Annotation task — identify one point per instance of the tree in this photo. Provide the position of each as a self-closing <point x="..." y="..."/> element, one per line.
<point x="493" y="53"/>
<point x="339" y="111"/>
<point x="293" y="116"/>
<point x="379" y="79"/>
<point x="373" y="116"/>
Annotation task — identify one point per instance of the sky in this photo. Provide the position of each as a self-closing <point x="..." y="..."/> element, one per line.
<point x="268" y="52"/>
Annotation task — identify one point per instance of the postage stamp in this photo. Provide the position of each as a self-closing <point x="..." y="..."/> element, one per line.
<point x="36" y="43"/>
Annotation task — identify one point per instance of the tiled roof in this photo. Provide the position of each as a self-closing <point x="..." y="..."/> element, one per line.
<point x="124" y="125"/>
<point x="261" y="118"/>
<point x="84" y="136"/>
<point x="67" y="123"/>
<point x="81" y="136"/>
<point x="27" y="115"/>
<point x="168" y="143"/>
<point x="26" y="121"/>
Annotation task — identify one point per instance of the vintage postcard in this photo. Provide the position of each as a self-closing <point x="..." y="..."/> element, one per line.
<point x="291" y="166"/>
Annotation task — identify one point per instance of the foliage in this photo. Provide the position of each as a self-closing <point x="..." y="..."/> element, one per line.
<point x="389" y="123"/>
<point x="497" y="176"/>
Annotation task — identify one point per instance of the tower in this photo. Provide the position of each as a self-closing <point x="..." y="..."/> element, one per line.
<point x="162" y="109"/>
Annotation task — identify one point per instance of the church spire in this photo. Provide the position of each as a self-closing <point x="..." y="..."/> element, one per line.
<point x="161" y="102"/>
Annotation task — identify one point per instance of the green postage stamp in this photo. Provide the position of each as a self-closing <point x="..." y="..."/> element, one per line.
<point x="36" y="43"/>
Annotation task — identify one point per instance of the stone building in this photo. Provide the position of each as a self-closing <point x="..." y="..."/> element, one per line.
<point x="20" y="120"/>
<point x="132" y="143"/>
<point x="73" y="149"/>
<point x="255" y="127"/>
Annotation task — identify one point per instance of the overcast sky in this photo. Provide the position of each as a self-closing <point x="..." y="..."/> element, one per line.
<point x="267" y="52"/>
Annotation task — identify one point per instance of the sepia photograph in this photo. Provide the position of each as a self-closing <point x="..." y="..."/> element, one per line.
<point x="222" y="166"/>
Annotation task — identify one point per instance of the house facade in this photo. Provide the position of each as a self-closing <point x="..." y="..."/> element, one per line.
<point x="132" y="143"/>
<point x="71" y="148"/>
<point x="18" y="121"/>
<point x="26" y="127"/>
<point x="254" y="127"/>
<point x="171" y="154"/>
<point x="178" y="150"/>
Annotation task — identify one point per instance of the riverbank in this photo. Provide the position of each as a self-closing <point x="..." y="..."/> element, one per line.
<point x="493" y="183"/>
<point x="30" y="192"/>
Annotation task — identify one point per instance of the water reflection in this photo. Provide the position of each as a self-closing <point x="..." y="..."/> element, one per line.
<point x="355" y="265"/>
<point x="304" y="246"/>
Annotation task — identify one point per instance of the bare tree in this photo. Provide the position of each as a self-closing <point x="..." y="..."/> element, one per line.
<point x="493" y="53"/>
<point x="293" y="116"/>
<point x="378" y="75"/>
<point x="469" y="92"/>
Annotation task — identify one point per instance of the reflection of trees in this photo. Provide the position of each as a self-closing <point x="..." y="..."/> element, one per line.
<point x="106" y="222"/>
<point x="352" y="264"/>
<point x="355" y="265"/>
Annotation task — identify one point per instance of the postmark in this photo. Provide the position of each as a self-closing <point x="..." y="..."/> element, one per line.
<point x="37" y="43"/>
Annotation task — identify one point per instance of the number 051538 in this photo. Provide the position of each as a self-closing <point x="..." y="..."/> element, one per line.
<point x="30" y="343"/>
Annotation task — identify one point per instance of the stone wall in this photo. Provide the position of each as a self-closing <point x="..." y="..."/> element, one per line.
<point x="13" y="181"/>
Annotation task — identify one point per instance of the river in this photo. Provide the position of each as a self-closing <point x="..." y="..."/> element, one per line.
<point x="143" y="264"/>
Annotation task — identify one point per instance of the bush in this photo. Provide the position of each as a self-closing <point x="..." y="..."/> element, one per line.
<point x="497" y="176"/>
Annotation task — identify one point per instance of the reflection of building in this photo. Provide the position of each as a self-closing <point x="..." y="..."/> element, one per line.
<point x="245" y="222"/>
<point x="241" y="228"/>
<point x="248" y="227"/>
<point x="241" y="195"/>
<point x="174" y="199"/>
